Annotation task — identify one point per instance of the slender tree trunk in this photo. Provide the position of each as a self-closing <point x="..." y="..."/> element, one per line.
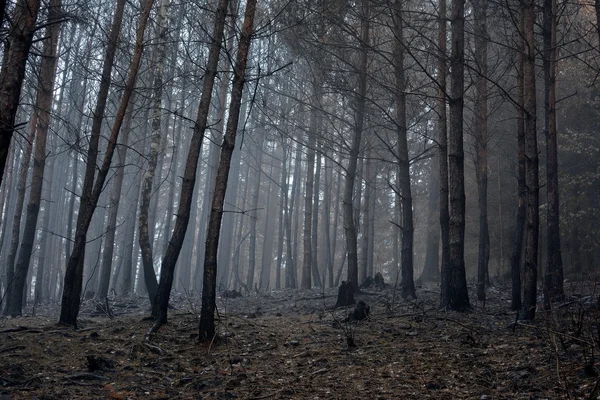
<point x="18" y="214"/>
<point x="350" y="228"/>
<point x="254" y="204"/>
<point x="92" y="188"/>
<point x="532" y="164"/>
<point x="306" y="282"/>
<point x="144" y="237"/>
<point x="40" y="276"/>
<point x="406" y="258"/>
<point x="282" y="205"/>
<point x="21" y="30"/>
<point x="43" y="108"/>
<point x="516" y="256"/>
<point x="316" y="274"/>
<point x="207" y="313"/>
<point x="159" y="310"/>
<point x="456" y="290"/>
<point x="553" y="283"/>
<point x="115" y="199"/>
<point x="481" y="138"/>
<point x="443" y="159"/>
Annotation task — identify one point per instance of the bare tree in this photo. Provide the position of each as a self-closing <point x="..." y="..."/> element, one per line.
<point x="159" y="309"/>
<point x="532" y="163"/>
<point x="207" y="313"/>
<point x="43" y="108"/>
<point x="93" y="185"/>
<point x="13" y="69"/>
<point x="454" y="294"/>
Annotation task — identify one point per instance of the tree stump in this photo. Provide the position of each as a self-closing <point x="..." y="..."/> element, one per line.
<point x="345" y="295"/>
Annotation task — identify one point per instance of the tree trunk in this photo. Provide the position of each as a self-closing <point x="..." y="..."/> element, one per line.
<point x="350" y="228"/>
<point x="553" y="282"/>
<point x="532" y="163"/>
<point x="144" y="237"/>
<point x="43" y="108"/>
<point x="115" y="199"/>
<point x="403" y="185"/>
<point x="481" y="137"/>
<point x="92" y="188"/>
<point x="254" y="204"/>
<point x="20" y="36"/>
<point x="456" y="290"/>
<point x="443" y="159"/>
<point x="207" y="314"/>
<point x="159" y="310"/>
<point x="516" y="255"/>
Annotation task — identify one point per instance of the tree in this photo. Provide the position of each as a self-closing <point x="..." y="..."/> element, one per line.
<point x="455" y="292"/>
<point x="159" y="309"/>
<point x="350" y="228"/>
<point x="442" y="128"/>
<point x="43" y="108"/>
<point x="403" y="173"/>
<point x="93" y="185"/>
<point x="155" y="148"/>
<point x="532" y="163"/>
<point x="22" y="28"/>
<point x="207" y="314"/>
<point x="481" y="139"/>
<point x="553" y="282"/>
<point x="515" y="261"/>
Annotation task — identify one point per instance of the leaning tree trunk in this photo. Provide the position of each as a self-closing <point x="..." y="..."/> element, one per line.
<point x="92" y="188"/>
<point x="350" y="228"/>
<point x="18" y="44"/>
<point x="207" y="313"/>
<point x="159" y="309"/>
<point x="553" y="282"/>
<point x="155" y="148"/>
<point x="456" y="283"/>
<point x="532" y="164"/>
<point x="481" y="137"/>
<point x="406" y="254"/>
<point x="43" y="108"/>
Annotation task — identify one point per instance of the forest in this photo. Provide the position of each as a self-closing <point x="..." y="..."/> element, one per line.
<point x="299" y="199"/>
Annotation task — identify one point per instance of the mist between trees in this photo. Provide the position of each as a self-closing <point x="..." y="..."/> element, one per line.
<point x="157" y="146"/>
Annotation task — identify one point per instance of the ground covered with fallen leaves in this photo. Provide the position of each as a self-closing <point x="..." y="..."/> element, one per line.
<point x="294" y="345"/>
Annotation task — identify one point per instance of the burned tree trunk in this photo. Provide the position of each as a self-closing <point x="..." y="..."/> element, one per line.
<point x="159" y="309"/>
<point x="207" y="315"/>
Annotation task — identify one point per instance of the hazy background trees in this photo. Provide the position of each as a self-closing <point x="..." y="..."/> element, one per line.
<point x="341" y="153"/>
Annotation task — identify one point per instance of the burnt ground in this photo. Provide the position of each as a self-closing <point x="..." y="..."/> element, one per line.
<point x="292" y="345"/>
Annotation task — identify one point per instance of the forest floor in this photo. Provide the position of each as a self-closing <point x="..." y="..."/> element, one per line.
<point x="293" y="345"/>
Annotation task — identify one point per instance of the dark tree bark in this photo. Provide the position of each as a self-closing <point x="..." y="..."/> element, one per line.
<point x="115" y="201"/>
<point x="457" y="297"/>
<point x="532" y="163"/>
<point x="92" y="188"/>
<point x="307" y="259"/>
<point x="260" y="140"/>
<point x="406" y="254"/>
<point x="159" y="310"/>
<point x="350" y="228"/>
<point x="22" y="28"/>
<point x="43" y="108"/>
<point x="516" y="255"/>
<point x="443" y="158"/>
<point x="481" y="138"/>
<point x="553" y="282"/>
<point x="207" y="314"/>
